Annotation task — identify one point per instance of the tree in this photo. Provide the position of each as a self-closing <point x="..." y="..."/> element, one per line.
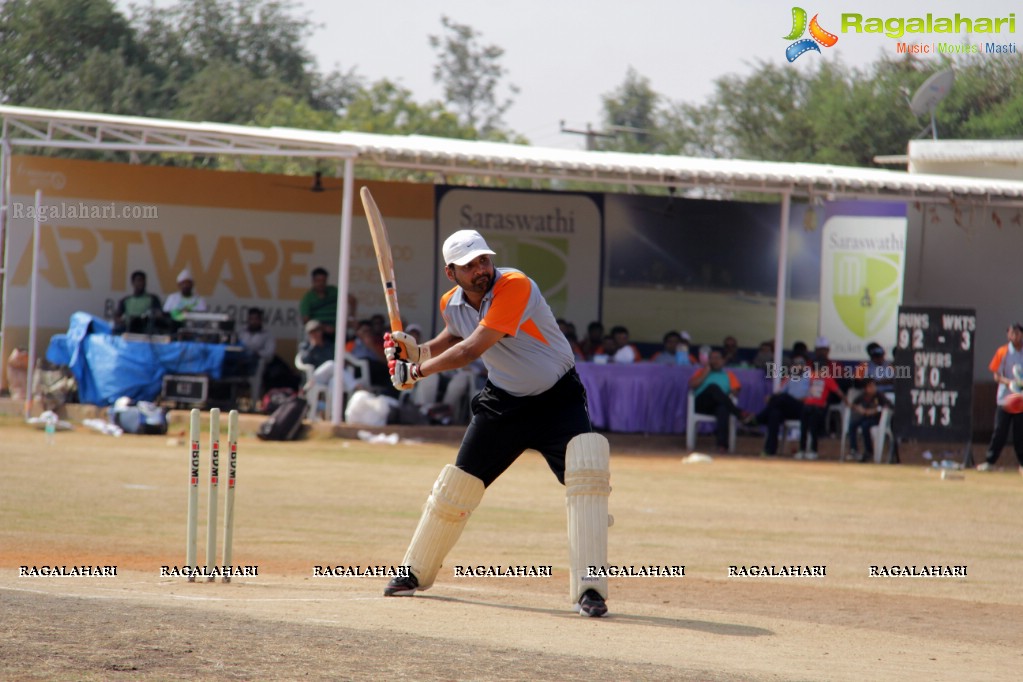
<point x="470" y="74"/>
<point x="209" y="52"/>
<point x="386" y="107"/>
<point x="226" y="92"/>
<point x="53" y="52"/>
<point x="630" y="114"/>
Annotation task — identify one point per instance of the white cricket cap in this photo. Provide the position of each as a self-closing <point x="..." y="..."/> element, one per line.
<point x="685" y="337"/>
<point x="822" y="342"/>
<point x="185" y="274"/>
<point x="464" y="246"/>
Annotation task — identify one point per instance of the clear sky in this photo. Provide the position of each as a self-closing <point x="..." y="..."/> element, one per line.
<point x="565" y="55"/>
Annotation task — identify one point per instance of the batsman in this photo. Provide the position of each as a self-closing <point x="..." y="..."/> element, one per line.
<point x="533" y="399"/>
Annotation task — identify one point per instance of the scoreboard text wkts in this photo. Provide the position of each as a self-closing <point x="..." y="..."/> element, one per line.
<point x="935" y="402"/>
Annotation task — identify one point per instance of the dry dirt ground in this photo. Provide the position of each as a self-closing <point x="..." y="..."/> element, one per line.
<point x="89" y="499"/>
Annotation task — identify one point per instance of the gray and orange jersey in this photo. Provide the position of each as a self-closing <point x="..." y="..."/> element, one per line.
<point x="534" y="353"/>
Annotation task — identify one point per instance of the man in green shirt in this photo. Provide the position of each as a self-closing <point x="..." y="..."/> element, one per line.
<point x="139" y="305"/>
<point x="320" y="303"/>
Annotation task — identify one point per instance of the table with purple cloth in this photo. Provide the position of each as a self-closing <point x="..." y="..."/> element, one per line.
<point x="651" y="398"/>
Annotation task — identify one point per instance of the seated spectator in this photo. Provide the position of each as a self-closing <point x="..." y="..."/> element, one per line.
<point x="765" y="355"/>
<point x="592" y="345"/>
<point x="712" y="385"/>
<point x="798" y="348"/>
<point x="730" y="352"/>
<point x="139" y="305"/>
<point x="319" y="353"/>
<point x="184" y="300"/>
<point x="605" y="351"/>
<point x="315" y="350"/>
<point x="823" y="362"/>
<point x="379" y="325"/>
<point x="865" y="414"/>
<point x="260" y="346"/>
<point x="568" y="329"/>
<point x="876" y="368"/>
<point x="674" y="351"/>
<point x="833" y="368"/>
<point x="449" y="388"/>
<point x="815" y="409"/>
<point x="625" y="352"/>
<point x="369" y="346"/>
<point x="785" y="404"/>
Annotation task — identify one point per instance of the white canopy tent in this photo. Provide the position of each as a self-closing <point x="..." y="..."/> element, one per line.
<point x="26" y="128"/>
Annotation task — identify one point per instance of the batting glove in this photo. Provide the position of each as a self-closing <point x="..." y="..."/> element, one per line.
<point x="404" y="374"/>
<point x="402" y="346"/>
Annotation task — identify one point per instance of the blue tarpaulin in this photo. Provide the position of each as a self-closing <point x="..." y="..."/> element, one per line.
<point x="107" y="367"/>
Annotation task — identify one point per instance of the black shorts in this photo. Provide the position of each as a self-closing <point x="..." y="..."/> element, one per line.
<point x="504" y="426"/>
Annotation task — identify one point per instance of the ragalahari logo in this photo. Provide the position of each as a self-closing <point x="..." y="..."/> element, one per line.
<point x="817" y="35"/>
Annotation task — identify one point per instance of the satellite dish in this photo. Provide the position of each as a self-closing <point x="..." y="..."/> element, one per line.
<point x="929" y="95"/>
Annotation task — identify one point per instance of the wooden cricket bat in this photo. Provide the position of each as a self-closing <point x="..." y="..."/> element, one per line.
<point x="385" y="261"/>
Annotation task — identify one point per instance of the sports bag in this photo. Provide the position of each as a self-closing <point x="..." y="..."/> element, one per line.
<point x="286" y="421"/>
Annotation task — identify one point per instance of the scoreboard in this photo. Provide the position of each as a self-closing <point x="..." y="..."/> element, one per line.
<point x="933" y="360"/>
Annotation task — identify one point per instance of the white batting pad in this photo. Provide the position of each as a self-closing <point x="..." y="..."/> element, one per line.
<point x="587" y="486"/>
<point x="455" y="495"/>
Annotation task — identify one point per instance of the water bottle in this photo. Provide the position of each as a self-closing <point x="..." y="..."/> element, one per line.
<point x="51" y="428"/>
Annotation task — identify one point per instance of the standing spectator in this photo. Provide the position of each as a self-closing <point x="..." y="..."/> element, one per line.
<point x="320" y="304"/>
<point x="260" y="346"/>
<point x="140" y="304"/>
<point x="184" y="300"/>
<point x="712" y="386"/>
<point x="815" y="408"/>
<point x="865" y="414"/>
<point x="1006" y="364"/>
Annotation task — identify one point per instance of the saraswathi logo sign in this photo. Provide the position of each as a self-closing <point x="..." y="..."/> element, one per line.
<point x="553" y="237"/>
<point x="862" y="264"/>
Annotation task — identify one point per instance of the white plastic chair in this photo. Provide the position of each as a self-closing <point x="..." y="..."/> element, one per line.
<point x="317" y="392"/>
<point x="787" y="427"/>
<point x="881" y="434"/>
<point x="693" y="419"/>
<point x="314" y="392"/>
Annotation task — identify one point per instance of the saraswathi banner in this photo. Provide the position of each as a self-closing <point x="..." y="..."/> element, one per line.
<point x="862" y="263"/>
<point x="553" y="237"/>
